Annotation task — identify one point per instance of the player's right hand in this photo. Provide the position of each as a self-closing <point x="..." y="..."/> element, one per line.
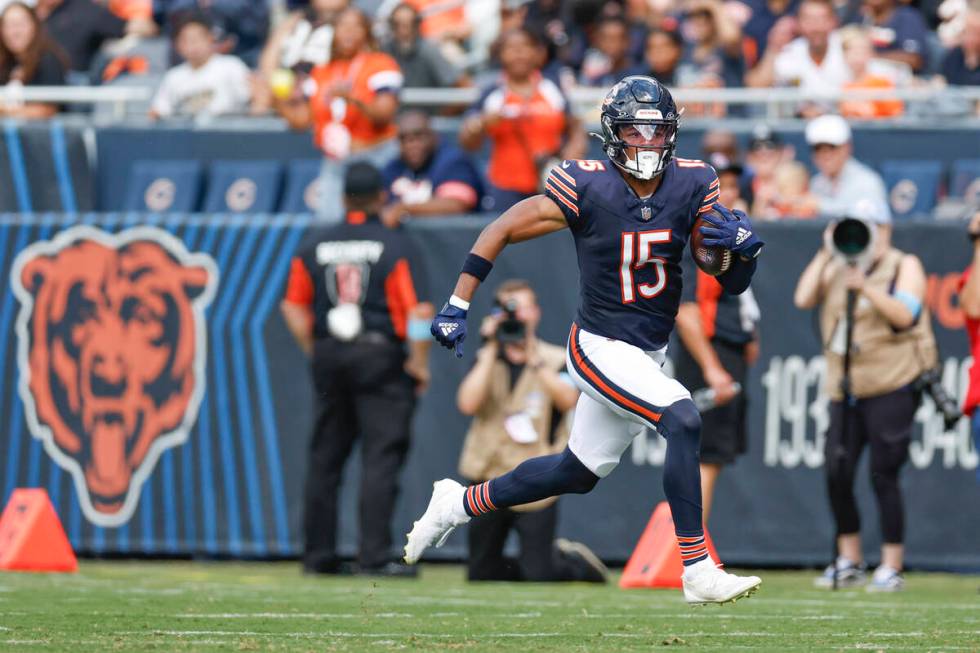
<point x="449" y="328"/>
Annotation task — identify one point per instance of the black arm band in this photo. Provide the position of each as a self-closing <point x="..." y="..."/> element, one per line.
<point x="476" y="265"/>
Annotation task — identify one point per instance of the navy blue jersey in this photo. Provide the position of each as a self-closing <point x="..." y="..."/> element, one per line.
<point x="447" y="173"/>
<point x="630" y="249"/>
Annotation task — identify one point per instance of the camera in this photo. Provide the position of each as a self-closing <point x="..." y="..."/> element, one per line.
<point x="931" y="383"/>
<point x="852" y="240"/>
<point x="510" y="329"/>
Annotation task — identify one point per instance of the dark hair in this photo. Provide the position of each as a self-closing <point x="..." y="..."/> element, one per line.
<point x="673" y="35"/>
<point x="827" y="4"/>
<point x="187" y="18"/>
<point x="403" y="6"/>
<point x="40" y="45"/>
<point x="525" y="31"/>
<point x="613" y="20"/>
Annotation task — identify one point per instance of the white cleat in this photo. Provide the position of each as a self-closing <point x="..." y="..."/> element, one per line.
<point x="709" y="584"/>
<point x="444" y="513"/>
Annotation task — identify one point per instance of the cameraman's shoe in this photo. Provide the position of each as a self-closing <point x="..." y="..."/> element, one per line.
<point x="849" y="574"/>
<point x="587" y="564"/>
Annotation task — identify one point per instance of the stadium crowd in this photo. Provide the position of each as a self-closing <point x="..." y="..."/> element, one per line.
<point x="337" y="67"/>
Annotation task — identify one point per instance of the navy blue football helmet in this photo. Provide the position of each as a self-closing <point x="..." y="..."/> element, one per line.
<point x="639" y="126"/>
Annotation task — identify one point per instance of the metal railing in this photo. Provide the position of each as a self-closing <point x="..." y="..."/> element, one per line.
<point x="775" y="101"/>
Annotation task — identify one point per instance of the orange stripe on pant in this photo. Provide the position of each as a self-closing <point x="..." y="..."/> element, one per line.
<point x="614" y="395"/>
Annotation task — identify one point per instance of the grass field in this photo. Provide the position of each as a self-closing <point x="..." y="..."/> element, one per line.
<point x="136" y="606"/>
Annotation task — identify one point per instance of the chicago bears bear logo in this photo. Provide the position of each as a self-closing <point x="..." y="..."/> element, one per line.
<point x="112" y="352"/>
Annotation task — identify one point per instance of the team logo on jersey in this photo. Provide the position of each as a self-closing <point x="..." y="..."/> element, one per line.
<point x="646" y="213"/>
<point x="112" y="355"/>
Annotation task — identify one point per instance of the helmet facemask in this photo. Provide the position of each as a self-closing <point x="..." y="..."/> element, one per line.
<point x="643" y="148"/>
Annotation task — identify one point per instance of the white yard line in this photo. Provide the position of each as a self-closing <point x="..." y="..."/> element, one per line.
<point x="340" y="615"/>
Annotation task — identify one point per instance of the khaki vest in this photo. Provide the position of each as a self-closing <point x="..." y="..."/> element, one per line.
<point x="488" y="450"/>
<point x="882" y="359"/>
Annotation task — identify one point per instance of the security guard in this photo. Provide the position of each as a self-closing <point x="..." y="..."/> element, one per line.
<point x="351" y="303"/>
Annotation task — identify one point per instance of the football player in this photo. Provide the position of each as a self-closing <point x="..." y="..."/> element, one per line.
<point x="631" y="218"/>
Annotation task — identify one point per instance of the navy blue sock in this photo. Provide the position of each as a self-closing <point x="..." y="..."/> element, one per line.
<point x="532" y="480"/>
<point x="680" y="424"/>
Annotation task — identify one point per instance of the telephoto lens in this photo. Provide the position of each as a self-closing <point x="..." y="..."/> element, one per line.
<point x="851" y="238"/>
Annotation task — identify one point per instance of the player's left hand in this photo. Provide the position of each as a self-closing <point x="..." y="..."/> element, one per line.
<point x="734" y="233"/>
<point x="449" y="328"/>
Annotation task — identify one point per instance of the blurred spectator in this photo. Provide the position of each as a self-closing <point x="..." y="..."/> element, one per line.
<point x="132" y="9"/>
<point x="897" y="31"/>
<point x="714" y="44"/>
<point x="519" y="395"/>
<point x="791" y="196"/>
<point x="720" y="141"/>
<point x="81" y="27"/>
<point x="550" y="20"/>
<point x="206" y="84"/>
<point x="762" y="18"/>
<point x="724" y="142"/>
<point x="842" y="181"/>
<point x="766" y="153"/>
<point x="814" y="62"/>
<point x="444" y="22"/>
<point x="420" y="60"/>
<point x="428" y="179"/>
<point x="607" y="62"/>
<point x="300" y="42"/>
<point x="858" y="52"/>
<point x="729" y="181"/>
<point x="28" y="57"/>
<point x="528" y="120"/>
<point x="662" y="57"/>
<point x="583" y="18"/>
<point x="242" y="25"/>
<point x="351" y="104"/>
<point x="961" y="67"/>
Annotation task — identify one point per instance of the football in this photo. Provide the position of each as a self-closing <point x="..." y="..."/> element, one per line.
<point x="712" y="260"/>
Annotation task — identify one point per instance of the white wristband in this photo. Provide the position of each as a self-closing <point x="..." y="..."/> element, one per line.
<point x="459" y="303"/>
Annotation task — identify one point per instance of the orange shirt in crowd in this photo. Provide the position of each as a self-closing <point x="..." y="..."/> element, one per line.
<point x="529" y="131"/>
<point x="439" y="16"/>
<point x="870" y="108"/>
<point x="335" y="119"/>
<point x="132" y="9"/>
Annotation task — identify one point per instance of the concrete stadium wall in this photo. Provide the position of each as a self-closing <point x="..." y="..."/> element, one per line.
<point x="223" y="474"/>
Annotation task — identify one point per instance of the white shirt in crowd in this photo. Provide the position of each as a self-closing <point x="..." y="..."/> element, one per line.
<point x="855" y="182"/>
<point x="795" y="67"/>
<point x="219" y="86"/>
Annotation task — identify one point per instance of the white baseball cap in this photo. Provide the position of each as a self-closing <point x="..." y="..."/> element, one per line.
<point x="828" y="130"/>
<point x="871" y="210"/>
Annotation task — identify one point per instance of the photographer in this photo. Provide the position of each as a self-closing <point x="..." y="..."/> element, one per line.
<point x="970" y="303"/>
<point x="891" y="346"/>
<point x="519" y="397"/>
